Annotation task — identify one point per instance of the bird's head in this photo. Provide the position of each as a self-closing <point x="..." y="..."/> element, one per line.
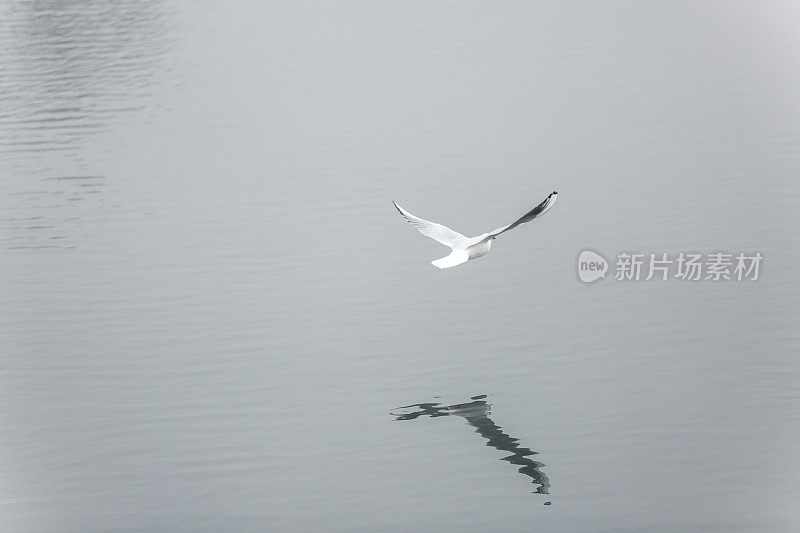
<point x="493" y="238"/>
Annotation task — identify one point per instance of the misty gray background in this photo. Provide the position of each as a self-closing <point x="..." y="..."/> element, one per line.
<point x="210" y="308"/>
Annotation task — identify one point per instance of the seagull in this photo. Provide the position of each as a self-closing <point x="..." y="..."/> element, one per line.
<point x="466" y="248"/>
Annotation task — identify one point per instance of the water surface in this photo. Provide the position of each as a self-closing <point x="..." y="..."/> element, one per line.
<point x="212" y="312"/>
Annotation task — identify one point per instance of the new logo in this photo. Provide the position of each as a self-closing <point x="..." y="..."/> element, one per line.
<point x="591" y="266"/>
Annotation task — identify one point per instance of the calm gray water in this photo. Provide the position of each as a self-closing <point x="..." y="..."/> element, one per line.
<point x="213" y="319"/>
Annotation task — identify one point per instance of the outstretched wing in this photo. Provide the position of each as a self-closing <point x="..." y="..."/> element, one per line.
<point x="435" y="231"/>
<point x="537" y="211"/>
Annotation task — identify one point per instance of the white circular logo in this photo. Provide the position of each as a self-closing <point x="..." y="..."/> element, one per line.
<point x="591" y="266"/>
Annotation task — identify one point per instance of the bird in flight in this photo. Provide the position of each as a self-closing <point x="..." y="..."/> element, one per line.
<point x="465" y="248"/>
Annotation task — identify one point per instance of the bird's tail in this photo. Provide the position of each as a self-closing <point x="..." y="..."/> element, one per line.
<point x="456" y="257"/>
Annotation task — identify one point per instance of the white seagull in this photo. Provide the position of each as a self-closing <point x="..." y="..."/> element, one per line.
<point x="466" y="248"/>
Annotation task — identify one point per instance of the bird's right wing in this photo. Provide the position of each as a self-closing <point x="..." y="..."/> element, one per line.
<point x="536" y="212"/>
<point x="435" y="231"/>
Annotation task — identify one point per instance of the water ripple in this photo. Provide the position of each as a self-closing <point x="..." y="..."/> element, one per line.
<point x="71" y="71"/>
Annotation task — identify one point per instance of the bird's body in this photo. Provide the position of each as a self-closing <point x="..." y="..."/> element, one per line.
<point x="480" y="249"/>
<point x="465" y="248"/>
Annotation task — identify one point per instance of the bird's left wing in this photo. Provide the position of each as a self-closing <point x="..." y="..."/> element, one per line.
<point x="536" y="212"/>
<point x="435" y="231"/>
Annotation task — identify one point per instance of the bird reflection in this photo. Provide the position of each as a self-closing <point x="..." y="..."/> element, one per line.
<point x="477" y="414"/>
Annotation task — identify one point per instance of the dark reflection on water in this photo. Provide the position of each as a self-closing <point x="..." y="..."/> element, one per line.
<point x="477" y="412"/>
